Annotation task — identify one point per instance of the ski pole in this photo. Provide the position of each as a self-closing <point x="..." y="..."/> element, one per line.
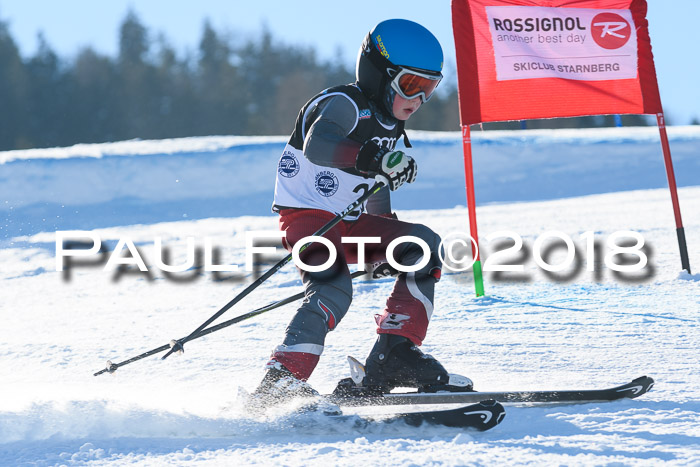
<point x="178" y="345"/>
<point x="112" y="367"/>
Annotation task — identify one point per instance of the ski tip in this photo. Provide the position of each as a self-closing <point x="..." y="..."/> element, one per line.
<point x="481" y="416"/>
<point x="647" y="381"/>
<point x="636" y="388"/>
<point x="497" y="410"/>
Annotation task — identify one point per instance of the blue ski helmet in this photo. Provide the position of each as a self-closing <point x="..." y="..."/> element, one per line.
<point x="392" y="45"/>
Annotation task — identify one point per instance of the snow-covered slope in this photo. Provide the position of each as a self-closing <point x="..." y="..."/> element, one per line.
<point x="533" y="331"/>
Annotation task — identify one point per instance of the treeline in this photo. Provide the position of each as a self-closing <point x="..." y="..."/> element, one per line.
<point x="148" y="91"/>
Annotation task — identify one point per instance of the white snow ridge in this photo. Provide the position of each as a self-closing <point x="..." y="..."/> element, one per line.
<point x="534" y="329"/>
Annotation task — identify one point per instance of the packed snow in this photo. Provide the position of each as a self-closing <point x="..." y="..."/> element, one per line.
<point x="533" y="330"/>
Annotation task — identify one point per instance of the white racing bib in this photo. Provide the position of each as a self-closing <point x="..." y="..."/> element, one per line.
<point x="302" y="184"/>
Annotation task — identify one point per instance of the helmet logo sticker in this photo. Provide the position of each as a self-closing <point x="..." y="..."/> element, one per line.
<point x="326" y="183"/>
<point x="364" y="113"/>
<point x="381" y="46"/>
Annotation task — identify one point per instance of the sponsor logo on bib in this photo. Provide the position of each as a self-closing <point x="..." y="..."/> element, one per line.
<point x="289" y="165"/>
<point x="326" y="183"/>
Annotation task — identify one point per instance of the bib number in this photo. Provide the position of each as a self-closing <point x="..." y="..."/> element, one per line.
<point x="360" y="189"/>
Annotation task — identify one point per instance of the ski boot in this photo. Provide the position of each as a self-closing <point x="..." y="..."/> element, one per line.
<point x="279" y="386"/>
<point x="396" y="362"/>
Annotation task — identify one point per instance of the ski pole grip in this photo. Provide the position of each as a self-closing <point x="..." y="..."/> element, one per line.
<point x="381" y="179"/>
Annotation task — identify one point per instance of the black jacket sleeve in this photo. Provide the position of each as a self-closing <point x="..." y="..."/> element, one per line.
<point x="326" y="142"/>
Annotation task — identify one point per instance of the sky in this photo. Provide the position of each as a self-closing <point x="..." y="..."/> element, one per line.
<point x="331" y="28"/>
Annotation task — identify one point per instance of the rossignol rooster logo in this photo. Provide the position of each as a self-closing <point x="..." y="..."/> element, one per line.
<point x="610" y="30"/>
<point x="326" y="183"/>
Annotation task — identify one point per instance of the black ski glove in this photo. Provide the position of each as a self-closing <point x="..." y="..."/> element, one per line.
<point x="395" y="166"/>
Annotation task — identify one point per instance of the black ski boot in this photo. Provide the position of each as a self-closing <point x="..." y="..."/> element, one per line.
<point x="279" y="386"/>
<point x="396" y="362"/>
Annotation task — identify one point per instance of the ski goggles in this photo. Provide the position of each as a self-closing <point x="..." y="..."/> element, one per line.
<point x="410" y="84"/>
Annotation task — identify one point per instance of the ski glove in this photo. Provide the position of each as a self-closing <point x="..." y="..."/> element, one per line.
<point x="395" y="166"/>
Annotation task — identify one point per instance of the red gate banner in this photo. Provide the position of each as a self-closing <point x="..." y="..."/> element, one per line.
<point x="524" y="59"/>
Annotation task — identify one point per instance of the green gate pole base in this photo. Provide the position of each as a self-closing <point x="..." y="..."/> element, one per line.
<point x="478" y="278"/>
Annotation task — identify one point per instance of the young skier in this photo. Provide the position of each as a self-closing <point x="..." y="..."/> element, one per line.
<point x="344" y="137"/>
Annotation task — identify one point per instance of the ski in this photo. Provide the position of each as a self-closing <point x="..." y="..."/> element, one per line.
<point x="630" y="390"/>
<point x="481" y="416"/>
